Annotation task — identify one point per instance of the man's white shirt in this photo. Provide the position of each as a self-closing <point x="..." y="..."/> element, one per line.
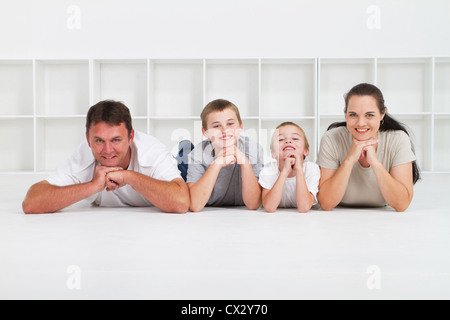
<point x="148" y="156"/>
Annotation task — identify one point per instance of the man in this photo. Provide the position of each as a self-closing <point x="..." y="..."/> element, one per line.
<point x="115" y="167"/>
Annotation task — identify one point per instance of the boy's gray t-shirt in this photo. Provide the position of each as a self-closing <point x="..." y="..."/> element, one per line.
<point x="228" y="187"/>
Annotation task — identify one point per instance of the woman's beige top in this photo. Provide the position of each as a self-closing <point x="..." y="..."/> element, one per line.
<point x="394" y="149"/>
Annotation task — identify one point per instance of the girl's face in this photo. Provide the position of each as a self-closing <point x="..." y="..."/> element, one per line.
<point x="223" y="128"/>
<point x="288" y="140"/>
<point x="363" y="117"/>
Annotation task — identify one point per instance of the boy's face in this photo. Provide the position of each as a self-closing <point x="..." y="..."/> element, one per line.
<point x="288" y="140"/>
<point x="223" y="128"/>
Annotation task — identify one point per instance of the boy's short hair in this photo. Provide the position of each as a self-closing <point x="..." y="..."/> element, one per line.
<point x="285" y="124"/>
<point x="218" y="105"/>
<point x="112" y="112"/>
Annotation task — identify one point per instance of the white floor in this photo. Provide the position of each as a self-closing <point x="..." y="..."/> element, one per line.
<point x="140" y="253"/>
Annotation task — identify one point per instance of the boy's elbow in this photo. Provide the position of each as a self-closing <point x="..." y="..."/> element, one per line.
<point x="254" y="206"/>
<point x="195" y="207"/>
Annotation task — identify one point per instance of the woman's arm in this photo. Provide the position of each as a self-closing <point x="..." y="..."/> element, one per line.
<point x="396" y="186"/>
<point x="334" y="183"/>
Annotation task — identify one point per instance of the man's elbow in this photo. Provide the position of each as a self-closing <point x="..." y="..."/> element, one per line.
<point x="182" y="205"/>
<point x="180" y="208"/>
<point x="29" y="207"/>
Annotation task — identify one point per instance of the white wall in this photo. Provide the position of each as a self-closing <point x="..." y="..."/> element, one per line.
<point x="222" y="28"/>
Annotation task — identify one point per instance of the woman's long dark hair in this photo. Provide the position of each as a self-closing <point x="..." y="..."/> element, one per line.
<point x="388" y="123"/>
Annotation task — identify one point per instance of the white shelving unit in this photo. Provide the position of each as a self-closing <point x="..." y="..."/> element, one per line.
<point x="43" y="103"/>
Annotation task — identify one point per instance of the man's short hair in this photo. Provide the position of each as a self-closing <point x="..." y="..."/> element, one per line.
<point x="112" y="112"/>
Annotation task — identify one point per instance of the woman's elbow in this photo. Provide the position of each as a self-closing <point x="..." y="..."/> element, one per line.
<point x="326" y="207"/>
<point x="401" y="208"/>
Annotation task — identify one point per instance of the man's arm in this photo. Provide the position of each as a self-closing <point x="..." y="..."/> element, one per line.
<point x="169" y="196"/>
<point x="44" y="197"/>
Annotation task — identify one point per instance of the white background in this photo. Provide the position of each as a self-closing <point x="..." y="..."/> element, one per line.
<point x="222" y="28"/>
<point x="220" y="253"/>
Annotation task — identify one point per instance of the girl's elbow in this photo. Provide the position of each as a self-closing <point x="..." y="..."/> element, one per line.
<point x="303" y="210"/>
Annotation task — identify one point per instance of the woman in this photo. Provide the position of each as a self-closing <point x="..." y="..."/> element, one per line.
<point x="368" y="160"/>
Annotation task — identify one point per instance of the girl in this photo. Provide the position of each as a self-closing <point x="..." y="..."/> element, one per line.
<point x="290" y="182"/>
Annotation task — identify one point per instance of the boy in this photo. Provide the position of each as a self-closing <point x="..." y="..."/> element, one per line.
<point x="290" y="181"/>
<point x="223" y="170"/>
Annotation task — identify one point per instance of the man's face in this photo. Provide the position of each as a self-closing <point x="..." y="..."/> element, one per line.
<point x="110" y="145"/>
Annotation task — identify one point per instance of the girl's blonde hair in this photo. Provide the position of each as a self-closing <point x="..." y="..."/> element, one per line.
<point x="285" y="124"/>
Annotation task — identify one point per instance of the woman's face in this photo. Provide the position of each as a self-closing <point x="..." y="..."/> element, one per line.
<point x="363" y="117"/>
